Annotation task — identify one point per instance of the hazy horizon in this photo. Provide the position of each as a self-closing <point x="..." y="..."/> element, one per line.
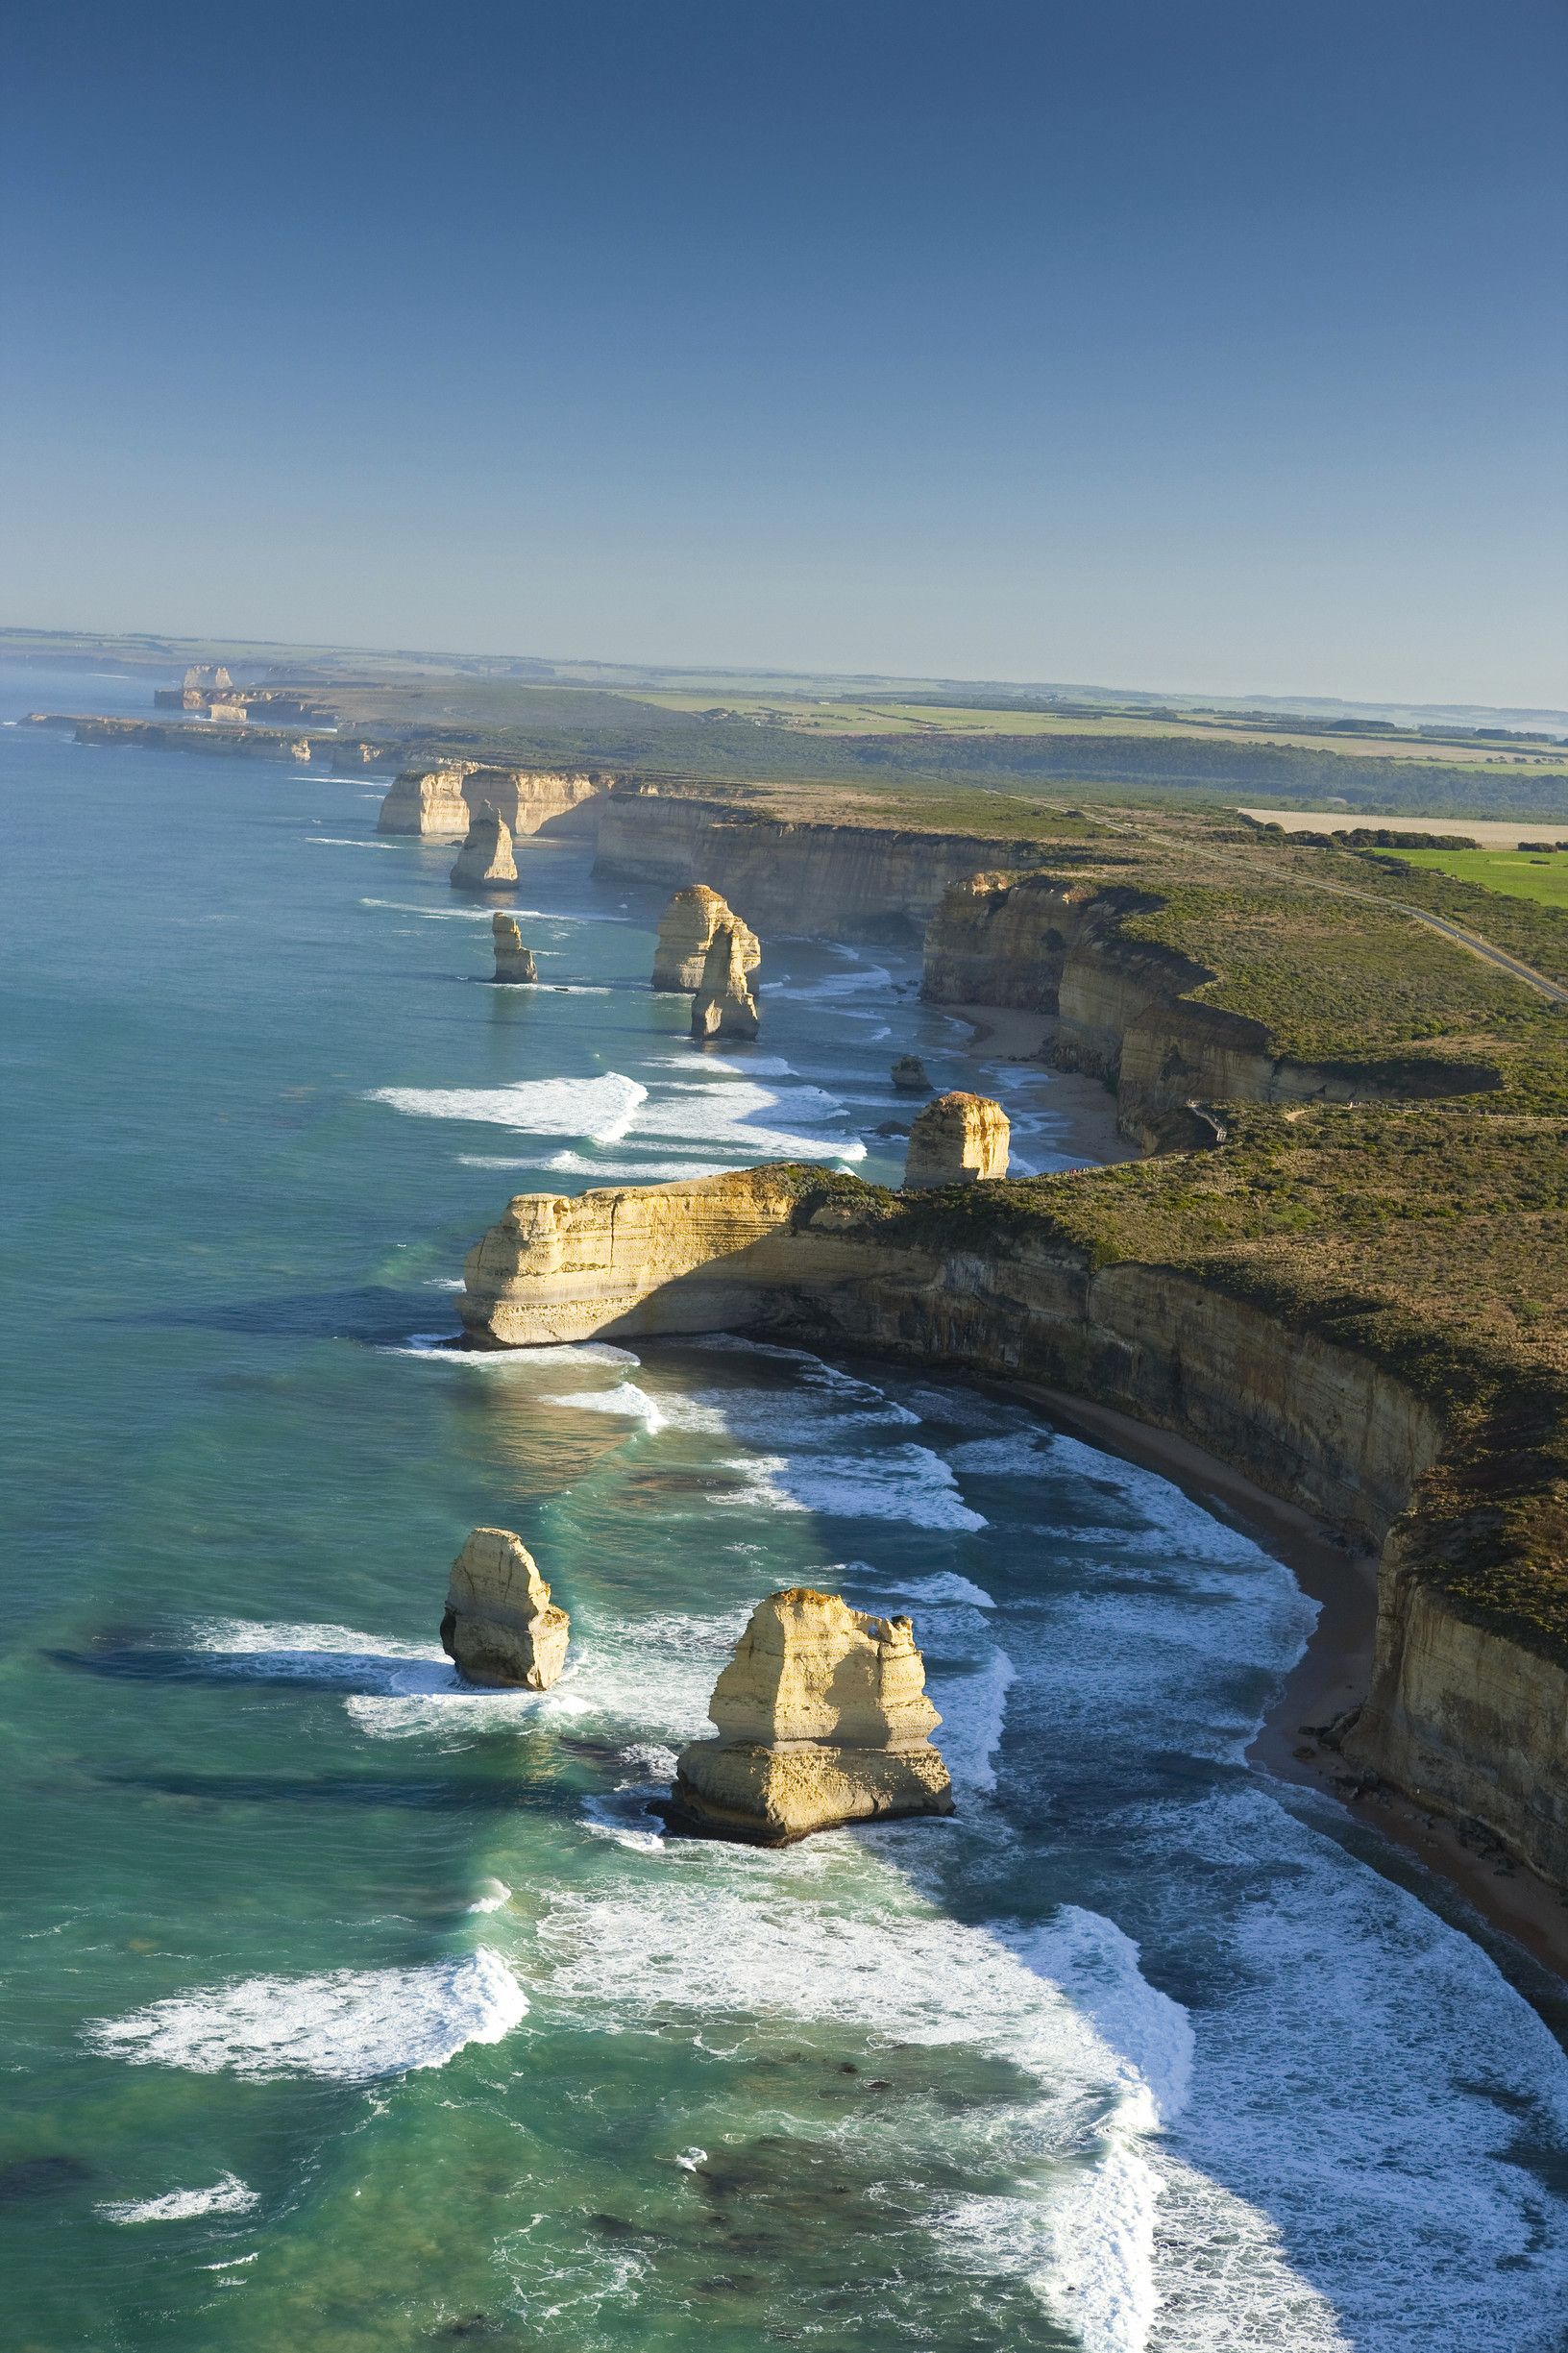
<point x="1032" y="343"/>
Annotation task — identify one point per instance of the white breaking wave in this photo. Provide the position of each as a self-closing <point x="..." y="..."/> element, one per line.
<point x="229" y="2196"/>
<point x="348" y="2026"/>
<point x="437" y="1348"/>
<point x="971" y="1709"/>
<point x="601" y="1107"/>
<point x="902" y="1483"/>
<point x="728" y="1118"/>
<point x="626" y="1398"/>
<point x="577" y="1163"/>
<point x="338" y="841"/>
<point x="837" y="1937"/>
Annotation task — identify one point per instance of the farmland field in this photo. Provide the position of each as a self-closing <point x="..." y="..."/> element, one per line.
<point x="1515" y="872"/>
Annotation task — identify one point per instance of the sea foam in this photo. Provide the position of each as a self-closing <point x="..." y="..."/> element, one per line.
<point x="228" y="2195"/>
<point x="347" y="2026"/>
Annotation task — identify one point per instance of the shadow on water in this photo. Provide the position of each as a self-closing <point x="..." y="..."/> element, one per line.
<point x="353" y="1790"/>
<point x="374" y="1312"/>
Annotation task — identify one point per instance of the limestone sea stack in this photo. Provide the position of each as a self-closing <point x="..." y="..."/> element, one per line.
<point x="485" y="861"/>
<point x="688" y="928"/>
<point x="909" y="1075"/>
<point x="958" y="1139"/>
<point x="724" y="1006"/>
<point x="513" y="961"/>
<point x="823" y="1718"/>
<point x="501" y="1625"/>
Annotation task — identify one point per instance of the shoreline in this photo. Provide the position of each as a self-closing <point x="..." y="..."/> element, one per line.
<point x="1331" y="1674"/>
<point x="1334" y="1671"/>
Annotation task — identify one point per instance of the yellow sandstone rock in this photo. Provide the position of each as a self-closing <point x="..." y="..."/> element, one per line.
<point x="485" y="861"/>
<point x="823" y="1718"/>
<point x="501" y="1625"/>
<point x="513" y="961"/>
<point x="688" y="928"/>
<point x="724" y="1006"/>
<point x="958" y="1139"/>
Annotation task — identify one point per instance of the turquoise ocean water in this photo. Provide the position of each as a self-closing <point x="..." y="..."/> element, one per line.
<point x="349" y="2010"/>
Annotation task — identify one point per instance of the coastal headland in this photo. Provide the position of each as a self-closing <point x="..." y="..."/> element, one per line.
<point x="1334" y="1260"/>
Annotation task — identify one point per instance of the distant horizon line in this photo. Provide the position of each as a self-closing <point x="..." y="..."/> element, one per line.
<point x="175" y="645"/>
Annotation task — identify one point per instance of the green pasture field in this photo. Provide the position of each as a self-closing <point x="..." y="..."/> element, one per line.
<point x="1517" y="873"/>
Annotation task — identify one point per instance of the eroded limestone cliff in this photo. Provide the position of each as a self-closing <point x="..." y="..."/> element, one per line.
<point x="841" y="879"/>
<point x="821" y="1718"/>
<point x="438" y="804"/>
<point x="1462" y="1715"/>
<point x="1125" y="1008"/>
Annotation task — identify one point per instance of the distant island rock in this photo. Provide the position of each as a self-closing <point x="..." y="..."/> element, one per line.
<point x="500" y="1626"/>
<point x="909" y="1075"/>
<point x="823" y="1717"/>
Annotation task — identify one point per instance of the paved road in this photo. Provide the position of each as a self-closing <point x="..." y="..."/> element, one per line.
<point x="1477" y="946"/>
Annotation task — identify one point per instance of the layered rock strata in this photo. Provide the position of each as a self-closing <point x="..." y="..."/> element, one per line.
<point x="513" y="961"/>
<point x="429" y="803"/>
<point x="500" y="1626"/>
<point x="688" y="928"/>
<point x="1125" y="1008"/>
<point x="1464" y="1714"/>
<point x="437" y="803"/>
<point x="958" y="1139"/>
<point x="724" y="1006"/>
<point x="485" y="861"/>
<point x="822" y="1719"/>
<point x="862" y="881"/>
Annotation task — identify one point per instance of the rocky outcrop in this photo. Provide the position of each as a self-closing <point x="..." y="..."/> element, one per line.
<point x="688" y="928"/>
<point x="438" y="804"/>
<point x="485" y="861"/>
<point x="724" y="1006"/>
<point x="429" y="803"/>
<point x="843" y="880"/>
<point x="822" y="1719"/>
<point x="513" y="961"/>
<point x="909" y="1075"/>
<point x="501" y="1625"/>
<point x="958" y="1139"/>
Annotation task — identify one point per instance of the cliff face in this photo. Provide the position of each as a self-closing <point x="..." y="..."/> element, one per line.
<point x="437" y="803"/>
<point x="1461" y="1716"/>
<point x="839" y="878"/>
<point x="1125" y="1011"/>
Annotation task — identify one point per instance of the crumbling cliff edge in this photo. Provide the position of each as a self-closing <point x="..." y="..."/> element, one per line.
<point x="1468" y="1711"/>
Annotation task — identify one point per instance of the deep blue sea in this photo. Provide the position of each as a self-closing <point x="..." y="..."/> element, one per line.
<point x="352" y="2012"/>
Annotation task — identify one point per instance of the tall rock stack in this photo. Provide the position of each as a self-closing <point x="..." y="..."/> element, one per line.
<point x="500" y="1626"/>
<point x="687" y="930"/>
<point x="823" y="1718"/>
<point x="958" y="1139"/>
<point x="513" y="961"/>
<point x="485" y="861"/>
<point x="724" y="1006"/>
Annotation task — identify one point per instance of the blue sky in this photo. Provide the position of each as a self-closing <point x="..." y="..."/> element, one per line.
<point x="1184" y="344"/>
